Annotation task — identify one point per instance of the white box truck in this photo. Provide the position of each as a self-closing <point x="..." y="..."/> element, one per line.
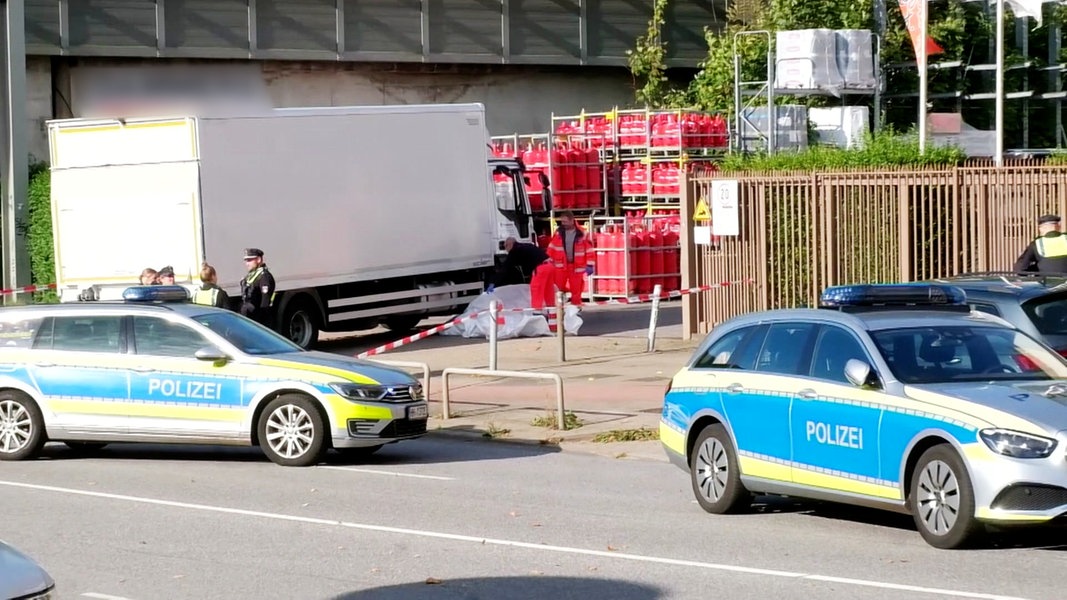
<point x="367" y="216"/>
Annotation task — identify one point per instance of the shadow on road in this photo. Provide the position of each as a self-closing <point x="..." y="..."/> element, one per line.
<point x="511" y="588"/>
<point x="424" y="451"/>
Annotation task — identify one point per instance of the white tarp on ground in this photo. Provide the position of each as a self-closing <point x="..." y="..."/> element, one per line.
<point x="516" y="324"/>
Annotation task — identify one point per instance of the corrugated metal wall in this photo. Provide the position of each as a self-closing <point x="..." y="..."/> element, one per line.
<point x="548" y="32"/>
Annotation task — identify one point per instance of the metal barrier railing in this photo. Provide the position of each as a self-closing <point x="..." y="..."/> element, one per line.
<point x="445" y="399"/>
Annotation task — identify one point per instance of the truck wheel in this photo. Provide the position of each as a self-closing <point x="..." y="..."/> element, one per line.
<point x="292" y="432"/>
<point x="301" y="323"/>
<point x="402" y="323"/>
<point x="21" y="426"/>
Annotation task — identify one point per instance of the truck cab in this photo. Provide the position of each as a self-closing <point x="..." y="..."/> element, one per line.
<point x="515" y="213"/>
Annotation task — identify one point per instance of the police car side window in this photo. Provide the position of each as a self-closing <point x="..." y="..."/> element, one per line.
<point x="87" y="334"/>
<point x="787" y="349"/>
<point x="834" y="349"/>
<point x="159" y="337"/>
<point x="735" y="350"/>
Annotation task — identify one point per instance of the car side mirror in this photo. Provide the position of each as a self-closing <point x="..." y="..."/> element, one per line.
<point x="211" y="354"/>
<point x="860" y="374"/>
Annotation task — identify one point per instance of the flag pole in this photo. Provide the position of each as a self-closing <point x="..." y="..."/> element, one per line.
<point x="921" y="56"/>
<point x="998" y="127"/>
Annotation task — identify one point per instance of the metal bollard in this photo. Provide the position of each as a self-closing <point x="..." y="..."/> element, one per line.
<point x="654" y="317"/>
<point x="559" y="327"/>
<point x="494" y="313"/>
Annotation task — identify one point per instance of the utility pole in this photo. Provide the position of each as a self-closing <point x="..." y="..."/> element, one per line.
<point x="14" y="154"/>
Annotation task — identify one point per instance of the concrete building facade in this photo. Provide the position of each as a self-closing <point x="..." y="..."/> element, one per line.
<point x="524" y="59"/>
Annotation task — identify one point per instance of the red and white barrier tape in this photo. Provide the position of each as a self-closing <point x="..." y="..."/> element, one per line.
<point x="549" y="314"/>
<point x="29" y="289"/>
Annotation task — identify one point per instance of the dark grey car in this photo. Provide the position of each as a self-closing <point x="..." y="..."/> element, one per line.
<point x="21" y="578"/>
<point x="1035" y="304"/>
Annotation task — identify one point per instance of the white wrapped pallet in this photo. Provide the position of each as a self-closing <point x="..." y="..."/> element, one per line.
<point x="855" y="58"/>
<point x="841" y="126"/>
<point x="791" y="125"/>
<point x="807" y="60"/>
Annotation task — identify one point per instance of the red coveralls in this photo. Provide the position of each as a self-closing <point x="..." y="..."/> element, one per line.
<point x="543" y="286"/>
<point x="570" y="274"/>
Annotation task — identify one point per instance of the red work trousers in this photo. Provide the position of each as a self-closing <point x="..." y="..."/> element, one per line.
<point x="543" y="287"/>
<point x="567" y="279"/>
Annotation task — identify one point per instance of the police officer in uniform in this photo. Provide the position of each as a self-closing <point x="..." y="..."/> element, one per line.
<point x="1048" y="252"/>
<point x="257" y="288"/>
<point x="209" y="293"/>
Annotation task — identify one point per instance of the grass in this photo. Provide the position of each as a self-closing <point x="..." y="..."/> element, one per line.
<point x="626" y="435"/>
<point x="570" y="421"/>
<point x="495" y="431"/>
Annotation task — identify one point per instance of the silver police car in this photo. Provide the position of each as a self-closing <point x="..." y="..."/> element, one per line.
<point x="23" y="579"/>
<point x="891" y="396"/>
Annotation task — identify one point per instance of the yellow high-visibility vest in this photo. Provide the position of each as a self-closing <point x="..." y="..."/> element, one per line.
<point x="1051" y="247"/>
<point x="206" y="297"/>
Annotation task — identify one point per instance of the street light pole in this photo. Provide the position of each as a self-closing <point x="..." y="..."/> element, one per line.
<point x="922" y="57"/>
<point x="998" y="127"/>
<point x="14" y="156"/>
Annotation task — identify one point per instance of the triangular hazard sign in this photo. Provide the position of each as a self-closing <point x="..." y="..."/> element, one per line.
<point x="702" y="213"/>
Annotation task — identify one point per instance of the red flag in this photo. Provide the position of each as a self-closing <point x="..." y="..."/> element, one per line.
<point x="912" y="11"/>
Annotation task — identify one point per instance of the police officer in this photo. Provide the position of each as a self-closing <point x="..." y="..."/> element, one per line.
<point x="209" y="293"/>
<point x="1047" y="253"/>
<point x="257" y="288"/>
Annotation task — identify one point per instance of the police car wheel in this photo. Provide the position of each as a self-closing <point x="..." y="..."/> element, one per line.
<point x="942" y="499"/>
<point x="292" y="432"/>
<point x="21" y="426"/>
<point x="714" y="473"/>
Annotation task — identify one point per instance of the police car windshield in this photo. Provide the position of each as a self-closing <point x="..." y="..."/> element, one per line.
<point x="248" y="336"/>
<point x="944" y="354"/>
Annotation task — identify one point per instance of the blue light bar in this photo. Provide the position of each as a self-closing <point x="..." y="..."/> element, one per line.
<point x="155" y="293"/>
<point x="895" y="294"/>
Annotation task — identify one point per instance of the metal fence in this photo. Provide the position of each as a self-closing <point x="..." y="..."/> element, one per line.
<point x="802" y="232"/>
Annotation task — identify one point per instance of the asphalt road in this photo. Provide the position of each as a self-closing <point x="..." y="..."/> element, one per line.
<point x="448" y="518"/>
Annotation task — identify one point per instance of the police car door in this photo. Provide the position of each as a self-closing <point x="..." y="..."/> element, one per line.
<point x="835" y="423"/>
<point x="80" y="368"/>
<point x="175" y="395"/>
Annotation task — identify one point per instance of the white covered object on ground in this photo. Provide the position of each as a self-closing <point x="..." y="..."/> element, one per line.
<point x="515" y="324"/>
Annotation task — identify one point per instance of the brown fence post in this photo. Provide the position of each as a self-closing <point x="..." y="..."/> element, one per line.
<point x="688" y="257"/>
<point x="904" y="228"/>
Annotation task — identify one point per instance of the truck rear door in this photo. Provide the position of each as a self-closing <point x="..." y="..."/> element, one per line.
<point x="125" y="196"/>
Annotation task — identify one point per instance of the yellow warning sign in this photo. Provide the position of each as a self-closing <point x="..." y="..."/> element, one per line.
<point x="702" y="213"/>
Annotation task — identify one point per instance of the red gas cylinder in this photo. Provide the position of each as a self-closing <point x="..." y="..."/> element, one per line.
<point x="656" y="259"/>
<point x="602" y="241"/>
<point x="640" y="259"/>
<point x="594" y="179"/>
<point x="576" y="160"/>
<point x="690" y="130"/>
<point x="718" y="131"/>
<point x="562" y="178"/>
<point x="671" y="261"/>
<point x="658" y="180"/>
<point x="671" y="179"/>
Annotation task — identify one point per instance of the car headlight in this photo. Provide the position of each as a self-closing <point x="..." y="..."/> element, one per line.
<point x="1017" y="444"/>
<point x="357" y="391"/>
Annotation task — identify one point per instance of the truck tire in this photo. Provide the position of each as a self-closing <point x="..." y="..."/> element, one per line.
<point x="300" y="323"/>
<point x="402" y="323"/>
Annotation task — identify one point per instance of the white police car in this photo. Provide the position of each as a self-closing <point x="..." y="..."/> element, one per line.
<point x="890" y="396"/>
<point x="156" y="368"/>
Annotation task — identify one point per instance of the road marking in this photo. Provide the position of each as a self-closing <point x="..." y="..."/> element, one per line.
<point x="102" y="596"/>
<point x="516" y="544"/>
<point x="392" y="473"/>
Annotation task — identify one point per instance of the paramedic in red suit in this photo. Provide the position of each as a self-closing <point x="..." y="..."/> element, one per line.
<point x="569" y="251"/>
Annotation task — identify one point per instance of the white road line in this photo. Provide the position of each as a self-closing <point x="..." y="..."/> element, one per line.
<point x="392" y="473"/>
<point x="516" y="544"/>
<point x="102" y="596"/>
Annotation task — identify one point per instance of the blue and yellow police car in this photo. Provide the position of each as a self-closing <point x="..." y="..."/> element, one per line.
<point x="156" y="368"/>
<point x="889" y="396"/>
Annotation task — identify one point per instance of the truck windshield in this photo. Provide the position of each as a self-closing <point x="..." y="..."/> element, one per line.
<point x="247" y="335"/>
<point x="944" y="354"/>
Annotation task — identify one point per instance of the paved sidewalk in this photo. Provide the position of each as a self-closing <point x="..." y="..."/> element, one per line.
<point x="613" y="389"/>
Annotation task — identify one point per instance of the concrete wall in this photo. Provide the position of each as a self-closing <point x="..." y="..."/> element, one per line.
<point x="518" y="99"/>
<point x="38" y="105"/>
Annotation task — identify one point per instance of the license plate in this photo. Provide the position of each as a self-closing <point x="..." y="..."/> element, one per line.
<point x="418" y="412"/>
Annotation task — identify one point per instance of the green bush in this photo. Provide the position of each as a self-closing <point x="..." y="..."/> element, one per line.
<point x="885" y="149"/>
<point x="39" y="232"/>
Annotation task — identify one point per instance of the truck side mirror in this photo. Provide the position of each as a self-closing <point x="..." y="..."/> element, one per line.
<point x="546" y="199"/>
<point x="543" y="179"/>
